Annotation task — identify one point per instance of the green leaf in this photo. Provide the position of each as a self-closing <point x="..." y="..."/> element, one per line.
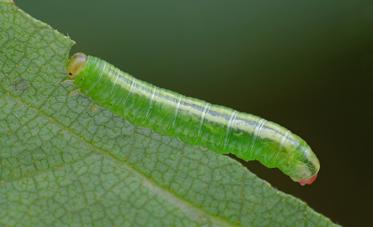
<point x="65" y="161"/>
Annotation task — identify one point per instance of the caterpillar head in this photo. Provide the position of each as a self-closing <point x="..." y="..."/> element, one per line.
<point x="76" y="64"/>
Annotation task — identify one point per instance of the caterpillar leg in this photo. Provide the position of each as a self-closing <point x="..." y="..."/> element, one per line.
<point x="94" y="108"/>
<point x="307" y="181"/>
<point x="67" y="82"/>
<point x="75" y="92"/>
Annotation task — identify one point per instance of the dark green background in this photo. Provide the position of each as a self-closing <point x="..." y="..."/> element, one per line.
<point x="304" y="64"/>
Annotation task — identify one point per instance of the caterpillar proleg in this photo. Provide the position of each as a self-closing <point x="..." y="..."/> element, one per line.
<point x="193" y="121"/>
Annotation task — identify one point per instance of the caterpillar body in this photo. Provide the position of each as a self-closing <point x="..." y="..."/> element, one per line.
<point x="193" y="121"/>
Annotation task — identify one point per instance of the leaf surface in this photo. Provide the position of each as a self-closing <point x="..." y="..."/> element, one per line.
<point x="66" y="161"/>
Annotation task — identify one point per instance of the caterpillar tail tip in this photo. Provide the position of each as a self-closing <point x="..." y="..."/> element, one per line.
<point x="307" y="181"/>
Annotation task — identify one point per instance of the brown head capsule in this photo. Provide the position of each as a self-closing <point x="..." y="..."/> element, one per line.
<point x="76" y="64"/>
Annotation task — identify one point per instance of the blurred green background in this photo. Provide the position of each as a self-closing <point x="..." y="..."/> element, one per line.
<point x="304" y="64"/>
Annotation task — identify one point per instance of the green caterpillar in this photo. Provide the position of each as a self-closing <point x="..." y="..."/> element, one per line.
<point x="194" y="121"/>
